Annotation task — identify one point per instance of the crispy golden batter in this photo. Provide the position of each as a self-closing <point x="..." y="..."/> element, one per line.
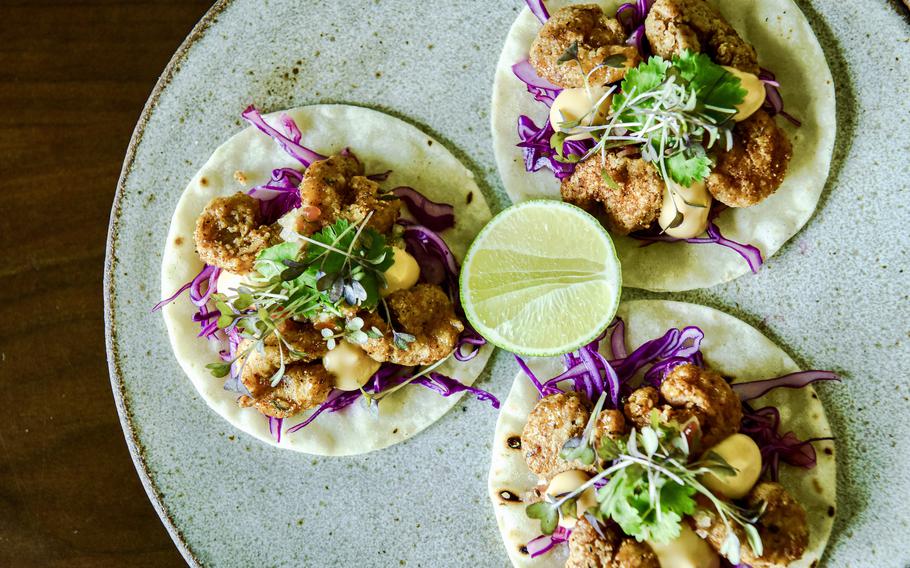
<point x="690" y="392"/>
<point x="366" y="199"/>
<point x="636" y="203"/>
<point x="553" y="420"/>
<point x="607" y="549"/>
<point x="610" y="423"/>
<point x="303" y="386"/>
<point x="639" y="405"/>
<point x="782" y="527"/>
<point x="676" y="25"/>
<point x="303" y="338"/>
<point x="425" y="312"/>
<point x="325" y="191"/>
<point x="335" y="188"/>
<point x="706" y="394"/>
<point x="634" y="554"/>
<point x="598" y="37"/>
<point x="229" y="234"/>
<point x="642" y="401"/>
<point x="755" y="166"/>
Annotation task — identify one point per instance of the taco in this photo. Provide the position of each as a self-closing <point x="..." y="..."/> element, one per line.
<point x="322" y="313"/>
<point x="669" y="442"/>
<point x="664" y="119"/>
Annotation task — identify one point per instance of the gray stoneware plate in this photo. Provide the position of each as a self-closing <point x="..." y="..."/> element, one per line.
<point x="834" y="297"/>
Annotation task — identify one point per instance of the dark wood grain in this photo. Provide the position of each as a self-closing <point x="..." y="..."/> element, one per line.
<point x="73" y="79"/>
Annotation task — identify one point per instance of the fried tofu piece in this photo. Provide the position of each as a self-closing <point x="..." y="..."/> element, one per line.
<point x="424" y="311"/>
<point x="783" y="527"/>
<point x="553" y="421"/>
<point x="335" y="188"/>
<point x="673" y="26"/>
<point x="689" y="392"/>
<point x="597" y="36"/>
<point x="607" y="548"/>
<point x="755" y="166"/>
<point x="229" y="233"/>
<point x="632" y="206"/>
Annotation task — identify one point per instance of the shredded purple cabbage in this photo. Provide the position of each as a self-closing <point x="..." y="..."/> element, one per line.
<point x="437" y="263"/>
<point x="763" y="426"/>
<point x="432" y="215"/>
<point x="207" y="319"/>
<point x="585" y="369"/>
<point x="289" y="142"/>
<point x="447" y="386"/>
<point x="389" y="376"/>
<point x="233" y="382"/>
<point x="750" y="253"/>
<point x="275" y="427"/>
<point x="545" y="543"/>
<point x="755" y="389"/>
<point x="774" y="102"/>
<point x="538" y="8"/>
<point x="337" y="400"/>
<point x="617" y="333"/>
<point x="472" y="340"/>
<point x="543" y="90"/>
<point x="632" y="17"/>
<point x="279" y="195"/>
<point x="535" y="142"/>
<point x="591" y="373"/>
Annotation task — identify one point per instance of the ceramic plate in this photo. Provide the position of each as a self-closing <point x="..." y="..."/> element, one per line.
<point x="835" y="296"/>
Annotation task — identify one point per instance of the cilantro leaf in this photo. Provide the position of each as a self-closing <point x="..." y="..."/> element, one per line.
<point x="688" y="167"/>
<point x="270" y="262"/>
<point x="646" y="77"/>
<point x="627" y="500"/>
<point x="714" y="86"/>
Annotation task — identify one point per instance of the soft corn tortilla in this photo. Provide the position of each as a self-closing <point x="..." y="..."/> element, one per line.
<point x="730" y="346"/>
<point x="382" y="143"/>
<point x="786" y="45"/>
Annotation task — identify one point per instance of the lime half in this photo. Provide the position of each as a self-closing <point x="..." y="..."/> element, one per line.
<point x="541" y="279"/>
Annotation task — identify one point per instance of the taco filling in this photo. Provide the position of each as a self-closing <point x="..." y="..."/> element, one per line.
<point x="651" y="459"/>
<point x="660" y="118"/>
<point x="321" y="292"/>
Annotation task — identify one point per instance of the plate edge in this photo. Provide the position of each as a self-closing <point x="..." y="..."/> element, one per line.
<point x="108" y="286"/>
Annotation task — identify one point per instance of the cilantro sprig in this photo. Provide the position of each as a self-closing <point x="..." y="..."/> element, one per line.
<point x="675" y="111"/>
<point x="339" y="268"/>
<point x="650" y="486"/>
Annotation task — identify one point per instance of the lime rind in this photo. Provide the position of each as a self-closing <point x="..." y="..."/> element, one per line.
<point x="544" y="282"/>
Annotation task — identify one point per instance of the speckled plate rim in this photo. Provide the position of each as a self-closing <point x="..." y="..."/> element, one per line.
<point x="137" y="452"/>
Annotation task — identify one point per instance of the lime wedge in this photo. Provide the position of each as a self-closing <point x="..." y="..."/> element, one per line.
<point x="541" y="279"/>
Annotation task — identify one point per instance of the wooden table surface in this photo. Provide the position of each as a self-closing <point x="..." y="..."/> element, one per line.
<point x="74" y="76"/>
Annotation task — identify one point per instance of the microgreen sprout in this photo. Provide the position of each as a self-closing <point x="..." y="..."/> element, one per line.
<point x="674" y="110"/>
<point x="340" y="268"/>
<point x="650" y="486"/>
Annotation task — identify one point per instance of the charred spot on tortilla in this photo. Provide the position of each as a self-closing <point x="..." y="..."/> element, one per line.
<point x="508" y="496"/>
<point x="178" y="241"/>
<point x="514" y="442"/>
